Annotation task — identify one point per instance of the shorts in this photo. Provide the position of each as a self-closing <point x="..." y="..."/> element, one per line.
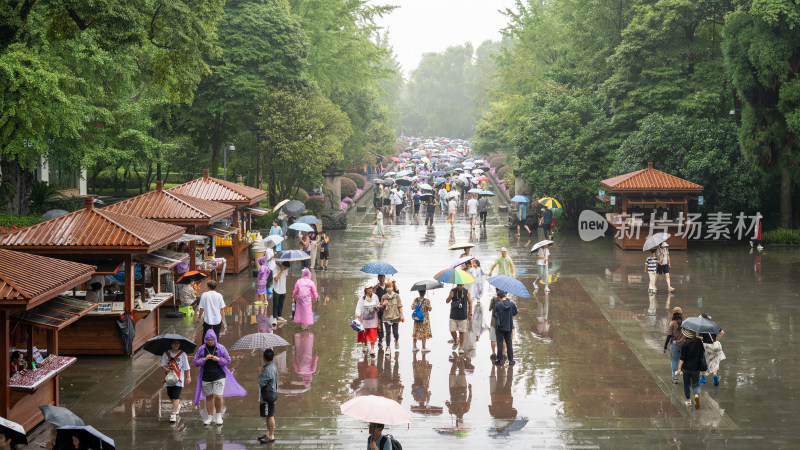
<point x="267" y="408"/>
<point x="174" y="392"/>
<point x="662" y="268"/>
<point x="210" y="388"/>
<point x="452" y="213"/>
<point x="458" y="325"/>
<point x="324" y="256"/>
<point x="473" y="215"/>
<point x="492" y="334"/>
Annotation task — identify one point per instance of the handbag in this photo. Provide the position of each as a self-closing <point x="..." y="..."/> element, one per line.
<point x="703" y="362"/>
<point x="356" y="326"/>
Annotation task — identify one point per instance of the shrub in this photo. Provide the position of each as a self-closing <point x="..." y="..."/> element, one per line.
<point x="497" y="161"/>
<point x="314" y="204"/>
<point x="781" y="236"/>
<point x="359" y="179"/>
<point x="348" y="187"/>
<point x="12" y="222"/>
<point x="301" y="195"/>
<point x="501" y="173"/>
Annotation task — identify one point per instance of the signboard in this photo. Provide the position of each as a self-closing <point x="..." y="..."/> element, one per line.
<point x="700" y="200"/>
<point x="613" y="200"/>
<point x="602" y="192"/>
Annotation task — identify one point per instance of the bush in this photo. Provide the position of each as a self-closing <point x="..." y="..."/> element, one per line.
<point x="509" y="178"/>
<point x="501" y="173"/>
<point x="359" y="179"/>
<point x="12" y="222"/>
<point x="314" y="204"/>
<point x="497" y="161"/>
<point x="301" y="195"/>
<point x="781" y="236"/>
<point x="348" y="188"/>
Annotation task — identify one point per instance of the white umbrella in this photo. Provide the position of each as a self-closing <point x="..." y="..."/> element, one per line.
<point x="273" y="240"/>
<point x="452" y="194"/>
<point x="655" y="240"/>
<point x="375" y="409"/>
<point x="259" y="340"/>
<point x="541" y="244"/>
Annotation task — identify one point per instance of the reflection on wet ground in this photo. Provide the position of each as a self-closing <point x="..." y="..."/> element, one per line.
<point x="590" y="369"/>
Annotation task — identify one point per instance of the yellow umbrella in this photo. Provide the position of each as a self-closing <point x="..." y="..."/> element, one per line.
<point x="549" y="202"/>
<point x="425" y="160"/>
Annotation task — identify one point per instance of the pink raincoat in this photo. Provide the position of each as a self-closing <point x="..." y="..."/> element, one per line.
<point x="305" y="291"/>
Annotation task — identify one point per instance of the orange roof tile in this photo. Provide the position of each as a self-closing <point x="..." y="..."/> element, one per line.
<point x="650" y="180"/>
<point x="95" y="231"/>
<point x="214" y="189"/>
<point x="29" y="279"/>
<point x="171" y="207"/>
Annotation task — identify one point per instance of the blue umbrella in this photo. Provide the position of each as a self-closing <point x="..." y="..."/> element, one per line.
<point x="404" y="173"/>
<point x="509" y="284"/>
<point x="300" y="226"/>
<point x="489" y="193"/>
<point x="379" y="268"/>
<point x="438" y="173"/>
<point x="308" y="219"/>
<point x="520" y="199"/>
<point x="292" y="255"/>
<point x="474" y="191"/>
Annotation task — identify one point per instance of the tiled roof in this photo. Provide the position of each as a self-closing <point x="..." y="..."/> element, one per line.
<point x="649" y="180"/>
<point x="93" y="230"/>
<point x="214" y="189"/>
<point x="25" y="278"/>
<point x="171" y="207"/>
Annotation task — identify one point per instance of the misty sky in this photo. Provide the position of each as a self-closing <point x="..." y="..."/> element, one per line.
<point x="421" y="26"/>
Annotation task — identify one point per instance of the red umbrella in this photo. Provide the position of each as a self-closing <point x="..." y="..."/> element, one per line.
<point x="395" y="159"/>
<point x="192" y="273"/>
<point x="483" y="178"/>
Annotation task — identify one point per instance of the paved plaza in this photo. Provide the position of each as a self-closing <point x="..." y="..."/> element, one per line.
<point x="590" y="370"/>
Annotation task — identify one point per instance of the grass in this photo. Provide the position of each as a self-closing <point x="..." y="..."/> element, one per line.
<point x="781" y="236"/>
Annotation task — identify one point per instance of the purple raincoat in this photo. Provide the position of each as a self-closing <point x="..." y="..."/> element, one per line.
<point x="263" y="276"/>
<point x="305" y="291"/>
<point x="232" y="388"/>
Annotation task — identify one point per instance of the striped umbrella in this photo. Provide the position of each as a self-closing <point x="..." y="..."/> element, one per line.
<point x="454" y="276"/>
<point x="549" y="202"/>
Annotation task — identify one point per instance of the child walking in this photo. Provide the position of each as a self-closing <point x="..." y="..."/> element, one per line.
<point x="174" y="360"/>
<point x="422" y="325"/>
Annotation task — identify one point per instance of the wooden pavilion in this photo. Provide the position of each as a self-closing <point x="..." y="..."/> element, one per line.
<point x="30" y="286"/>
<point x="244" y="198"/>
<point x="89" y="235"/>
<point x="649" y="200"/>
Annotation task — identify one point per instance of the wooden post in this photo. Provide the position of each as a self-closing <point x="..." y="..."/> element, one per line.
<point x="192" y="255"/>
<point x="5" y="391"/>
<point x="155" y="276"/>
<point x="29" y="346"/>
<point x="52" y="349"/>
<point x="130" y="289"/>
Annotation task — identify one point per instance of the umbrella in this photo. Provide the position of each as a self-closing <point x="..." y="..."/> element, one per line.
<point x="475" y="191"/>
<point x="541" y="244"/>
<point x="489" y="193"/>
<point x="280" y="204"/>
<point x="453" y="194"/>
<point x="484" y="167"/>
<point x="375" y="409"/>
<point x="300" y="226"/>
<point x="273" y="239"/>
<point x="466" y="175"/>
<point x="461" y="181"/>
<point x="387" y="181"/>
<point x="701" y="325"/>
<point x="549" y="202"/>
<point x="395" y="159"/>
<point x="454" y="276"/>
<point x="426" y="285"/>
<point x="520" y="199"/>
<point x="14" y="431"/>
<point x="259" y="340"/>
<point x="438" y="173"/>
<point x="163" y="342"/>
<point x="292" y="255"/>
<point x="439" y="180"/>
<point x="308" y="219"/>
<point x="404" y="173"/>
<point x="482" y="178"/>
<point x="379" y="268"/>
<point x="655" y="240"/>
<point x="426" y="160"/>
<point x="461" y="246"/>
<point x="404" y="182"/>
<point x="425" y="196"/>
<point x="127" y="331"/>
<point x="509" y="284"/>
<point x="389" y="174"/>
<point x="461" y="261"/>
<point x="426" y="186"/>
<point x="88" y="435"/>
<point x="53" y="213"/>
<point x="60" y="416"/>
<point x="477" y="171"/>
<point x="192" y="275"/>
<point x="294" y="208"/>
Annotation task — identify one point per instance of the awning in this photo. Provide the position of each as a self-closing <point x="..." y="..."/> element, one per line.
<point x="108" y="267"/>
<point x="56" y="313"/>
<point x="162" y="258"/>
<point x="217" y="230"/>
<point x="255" y="210"/>
<point x="191" y="237"/>
<point x="656" y="200"/>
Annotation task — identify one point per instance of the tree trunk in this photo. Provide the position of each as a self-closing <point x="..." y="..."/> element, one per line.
<point x="216" y="144"/>
<point x="786" y="198"/>
<point x="15" y="187"/>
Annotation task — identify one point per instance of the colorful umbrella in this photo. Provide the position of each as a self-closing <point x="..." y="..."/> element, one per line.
<point x="375" y="409"/>
<point x="454" y="276"/>
<point x="379" y="268"/>
<point x="395" y="159"/>
<point x="509" y="284"/>
<point x="192" y="274"/>
<point x="482" y="178"/>
<point x="549" y="202"/>
<point x="13" y="431"/>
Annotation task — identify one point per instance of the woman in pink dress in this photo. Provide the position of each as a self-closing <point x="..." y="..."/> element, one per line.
<point x="303" y="296"/>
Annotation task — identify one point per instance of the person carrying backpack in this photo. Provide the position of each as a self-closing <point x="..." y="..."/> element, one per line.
<point x="175" y="364"/>
<point x="378" y="441"/>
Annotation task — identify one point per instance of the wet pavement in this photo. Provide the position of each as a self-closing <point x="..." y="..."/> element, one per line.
<point x="590" y="369"/>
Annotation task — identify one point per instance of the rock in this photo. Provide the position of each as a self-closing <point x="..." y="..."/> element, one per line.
<point x="334" y="220"/>
<point x="502" y="208"/>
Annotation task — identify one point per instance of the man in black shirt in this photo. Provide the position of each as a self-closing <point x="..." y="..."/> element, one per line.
<point x="460" y="314"/>
<point x="546" y="221"/>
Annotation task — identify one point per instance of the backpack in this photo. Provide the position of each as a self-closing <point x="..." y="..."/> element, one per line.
<point x="417" y="314"/>
<point x="172" y="378"/>
<point x="395" y="445"/>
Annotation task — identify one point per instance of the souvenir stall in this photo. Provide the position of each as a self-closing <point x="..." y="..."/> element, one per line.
<point x="32" y="314"/>
<point x="110" y="238"/>
<point x="648" y="199"/>
<point x="237" y="248"/>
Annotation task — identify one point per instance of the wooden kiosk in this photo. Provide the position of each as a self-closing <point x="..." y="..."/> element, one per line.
<point x="89" y="235"/>
<point x="649" y="199"/>
<point x="237" y="250"/>
<point x="29" y="301"/>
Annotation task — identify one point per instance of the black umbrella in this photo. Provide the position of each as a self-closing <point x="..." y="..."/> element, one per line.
<point x="701" y="325"/>
<point x="294" y="208"/>
<point x="13" y="431"/>
<point x="387" y="181"/>
<point x="483" y="167"/>
<point x="163" y="342"/>
<point x="127" y="331"/>
<point x="426" y="285"/>
<point x="88" y="436"/>
<point x="403" y="182"/>
<point x="461" y="182"/>
<point x="425" y="196"/>
<point x="60" y="417"/>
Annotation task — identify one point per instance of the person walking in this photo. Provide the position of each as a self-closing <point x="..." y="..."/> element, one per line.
<point x="261" y="280"/>
<point x="276" y="230"/>
<point x="279" y="293"/>
<point x="504" y="264"/>
<point x="483" y="209"/>
<point x="367" y="313"/>
<point x="664" y="264"/>
<point x="268" y="394"/>
<point x="692" y="355"/>
<point x="397" y="202"/>
<point x="174" y="360"/>
<point x="430" y="210"/>
<point x="493" y="329"/>
<point x="392" y="308"/>
<point x="324" y="250"/>
<point x="504" y="312"/>
<point x="305" y="245"/>
<point x="377" y="196"/>
<point x="422" y="326"/>
<point x="713" y="351"/>
<point x="376" y="440"/>
<point x="378" y="225"/>
<point x="546" y="221"/>
<point x="380" y="290"/>
<point x="651" y="267"/>
<point x="543" y="264"/>
<point x="210" y="309"/>
<point x="314" y="246"/>
<point x="443" y="198"/>
<point x="460" y="314"/>
<point x="303" y="297"/>
<point x="416" y="200"/>
<point x="757" y="233"/>
<point x="472" y="211"/>
<point x="452" y="207"/>
<point x="674" y="341"/>
<point x="522" y="216"/>
<point x="215" y="381"/>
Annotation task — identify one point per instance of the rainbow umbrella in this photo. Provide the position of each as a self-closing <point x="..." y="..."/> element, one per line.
<point x="454" y="276"/>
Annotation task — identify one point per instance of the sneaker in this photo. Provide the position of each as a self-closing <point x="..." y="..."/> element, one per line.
<point x="450" y="341"/>
<point x="173" y="418"/>
<point x="426" y="350"/>
<point x="688" y="403"/>
<point x="218" y="420"/>
<point x="460" y="351"/>
<point x="396" y="345"/>
<point x="547" y="289"/>
<point x="208" y="420"/>
<point x="703" y="379"/>
<point x="759" y="248"/>
<point x="716" y="380"/>
<point x="511" y="363"/>
<point x="493" y="357"/>
<point x="415" y="349"/>
<point x="674" y="380"/>
<point x="696" y="402"/>
<point x="265" y="440"/>
<point x="455" y="345"/>
<point x="364" y="349"/>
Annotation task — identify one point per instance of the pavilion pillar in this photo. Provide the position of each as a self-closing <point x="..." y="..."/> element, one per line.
<point x="130" y="289"/>
<point x="5" y="342"/>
